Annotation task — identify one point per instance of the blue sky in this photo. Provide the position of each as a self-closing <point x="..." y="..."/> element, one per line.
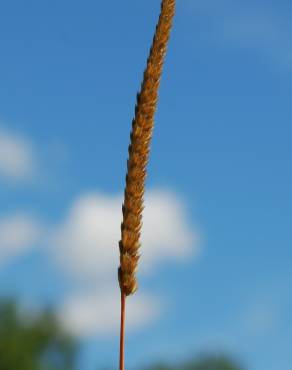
<point x="216" y="264"/>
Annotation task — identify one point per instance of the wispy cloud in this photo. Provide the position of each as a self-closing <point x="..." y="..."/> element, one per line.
<point x="17" y="157"/>
<point x="250" y="25"/>
<point x="256" y="320"/>
<point x="19" y="233"/>
<point x="261" y="317"/>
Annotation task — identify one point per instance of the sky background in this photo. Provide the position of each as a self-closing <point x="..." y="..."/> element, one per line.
<point x="216" y="256"/>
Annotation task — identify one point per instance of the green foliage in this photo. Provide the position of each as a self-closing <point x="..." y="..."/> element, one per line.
<point x="204" y="363"/>
<point x="39" y="343"/>
<point x="212" y="363"/>
<point x="33" y="343"/>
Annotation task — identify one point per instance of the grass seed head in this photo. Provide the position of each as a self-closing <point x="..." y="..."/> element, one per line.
<point x="140" y="138"/>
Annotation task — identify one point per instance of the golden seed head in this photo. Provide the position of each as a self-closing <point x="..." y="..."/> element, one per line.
<point x="140" y="138"/>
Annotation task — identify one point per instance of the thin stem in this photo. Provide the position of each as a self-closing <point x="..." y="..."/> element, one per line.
<point x="122" y="331"/>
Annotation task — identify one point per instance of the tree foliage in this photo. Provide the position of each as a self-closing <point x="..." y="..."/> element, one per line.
<point x="33" y="343"/>
<point x="208" y="362"/>
<point x="37" y="342"/>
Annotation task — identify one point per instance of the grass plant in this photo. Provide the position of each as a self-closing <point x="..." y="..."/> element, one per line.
<point x="139" y="148"/>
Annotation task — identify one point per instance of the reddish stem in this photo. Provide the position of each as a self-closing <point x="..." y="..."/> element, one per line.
<point x="122" y="331"/>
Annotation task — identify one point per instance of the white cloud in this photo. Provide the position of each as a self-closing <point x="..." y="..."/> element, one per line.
<point x="98" y="312"/>
<point x="85" y="246"/>
<point x="167" y="233"/>
<point x="17" y="157"/>
<point x="18" y="234"/>
<point x="87" y="241"/>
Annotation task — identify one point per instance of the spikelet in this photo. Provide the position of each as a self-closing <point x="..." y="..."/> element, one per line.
<point x="139" y="147"/>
